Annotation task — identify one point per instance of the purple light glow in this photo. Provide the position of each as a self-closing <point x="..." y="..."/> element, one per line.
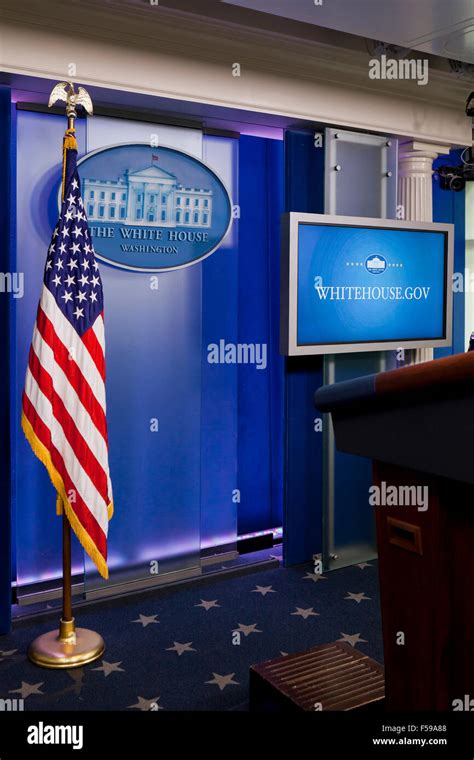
<point x="219" y="540"/>
<point x="258" y="130"/>
<point x="276" y="532"/>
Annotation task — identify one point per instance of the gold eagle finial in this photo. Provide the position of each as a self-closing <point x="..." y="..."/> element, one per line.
<point x="65" y="91"/>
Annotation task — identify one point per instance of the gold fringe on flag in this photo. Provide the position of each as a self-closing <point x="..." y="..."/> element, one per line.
<point x="62" y="501"/>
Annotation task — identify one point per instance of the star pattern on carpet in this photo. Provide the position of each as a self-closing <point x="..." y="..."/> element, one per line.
<point x="315" y="577"/>
<point x="208" y="605"/>
<point x="110" y="667"/>
<point x="363" y="565"/>
<point x="180" y="648"/>
<point x="263" y="590"/>
<point x="352" y="638"/>
<point x="305" y="613"/>
<point x="247" y="629"/>
<point x="212" y="663"/>
<point x="223" y="681"/>
<point x="28" y="689"/>
<point x="146" y="620"/>
<point x="146" y="705"/>
<point x="357" y="597"/>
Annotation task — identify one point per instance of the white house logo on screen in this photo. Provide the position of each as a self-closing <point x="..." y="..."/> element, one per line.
<point x="376" y="264"/>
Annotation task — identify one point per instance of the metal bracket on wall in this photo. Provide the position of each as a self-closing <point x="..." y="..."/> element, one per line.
<point x="360" y="180"/>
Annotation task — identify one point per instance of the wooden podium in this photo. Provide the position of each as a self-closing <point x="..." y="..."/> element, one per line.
<point x="417" y="425"/>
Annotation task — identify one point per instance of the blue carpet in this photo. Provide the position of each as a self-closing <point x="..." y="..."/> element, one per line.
<point x="184" y="654"/>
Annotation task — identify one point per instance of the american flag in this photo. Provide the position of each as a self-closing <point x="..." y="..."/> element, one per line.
<point x="63" y="414"/>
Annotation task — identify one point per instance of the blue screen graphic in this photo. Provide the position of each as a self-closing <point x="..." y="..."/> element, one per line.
<point x="367" y="284"/>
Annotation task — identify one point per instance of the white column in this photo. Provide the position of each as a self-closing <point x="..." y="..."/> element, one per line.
<point x="415" y="196"/>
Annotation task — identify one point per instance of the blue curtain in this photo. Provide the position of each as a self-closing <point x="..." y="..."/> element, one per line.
<point x="304" y="185"/>
<point x="260" y="391"/>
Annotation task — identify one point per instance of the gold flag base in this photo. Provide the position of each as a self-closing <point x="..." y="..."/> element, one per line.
<point x="71" y="647"/>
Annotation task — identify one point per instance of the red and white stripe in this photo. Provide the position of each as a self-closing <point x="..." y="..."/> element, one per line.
<point x="64" y="402"/>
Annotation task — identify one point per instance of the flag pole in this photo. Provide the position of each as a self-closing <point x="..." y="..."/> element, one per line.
<point x="71" y="647"/>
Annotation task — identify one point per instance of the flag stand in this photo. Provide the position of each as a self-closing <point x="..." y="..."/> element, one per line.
<point x="71" y="647"/>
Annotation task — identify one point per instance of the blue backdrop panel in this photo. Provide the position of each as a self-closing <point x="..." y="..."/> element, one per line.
<point x="260" y="435"/>
<point x="153" y="349"/>
<point x="276" y="185"/>
<point x="153" y="395"/>
<point x="450" y="207"/>
<point x="153" y="373"/>
<point x="304" y="174"/>
<point x="39" y="157"/>
<point x="6" y="210"/>
<point x="219" y="381"/>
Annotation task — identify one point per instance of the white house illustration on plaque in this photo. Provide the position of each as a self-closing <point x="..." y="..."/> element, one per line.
<point x="150" y="196"/>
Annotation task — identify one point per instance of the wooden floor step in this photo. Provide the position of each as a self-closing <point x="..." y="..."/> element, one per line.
<point x="327" y="677"/>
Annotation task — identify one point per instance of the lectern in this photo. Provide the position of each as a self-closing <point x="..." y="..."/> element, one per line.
<point x="417" y="425"/>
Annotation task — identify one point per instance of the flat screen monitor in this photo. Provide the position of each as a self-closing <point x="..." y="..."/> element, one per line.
<point x="358" y="284"/>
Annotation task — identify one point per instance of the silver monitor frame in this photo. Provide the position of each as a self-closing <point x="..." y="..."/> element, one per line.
<point x="289" y="284"/>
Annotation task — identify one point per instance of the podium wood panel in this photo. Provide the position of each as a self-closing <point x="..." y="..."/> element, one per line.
<point x="417" y="425"/>
<point x="427" y="596"/>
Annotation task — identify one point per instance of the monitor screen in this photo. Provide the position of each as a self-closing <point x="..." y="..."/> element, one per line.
<point x="367" y="284"/>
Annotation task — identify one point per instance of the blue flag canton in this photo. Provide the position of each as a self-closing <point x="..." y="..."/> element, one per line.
<point x="71" y="272"/>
